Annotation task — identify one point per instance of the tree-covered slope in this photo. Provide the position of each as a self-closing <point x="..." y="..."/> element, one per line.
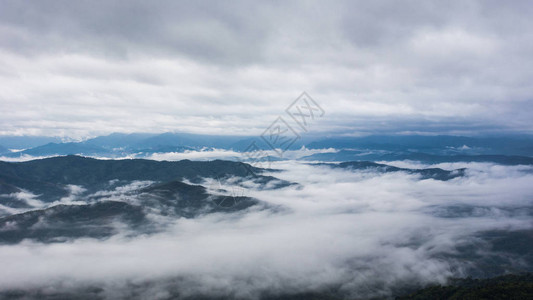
<point x="511" y="287"/>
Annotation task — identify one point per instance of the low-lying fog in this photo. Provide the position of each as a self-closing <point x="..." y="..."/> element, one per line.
<point x="357" y="232"/>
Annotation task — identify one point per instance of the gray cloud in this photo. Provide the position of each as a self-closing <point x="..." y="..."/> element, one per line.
<point x="207" y="30"/>
<point x="84" y="68"/>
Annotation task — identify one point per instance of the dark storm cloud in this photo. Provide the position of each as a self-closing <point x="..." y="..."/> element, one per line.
<point x="90" y="67"/>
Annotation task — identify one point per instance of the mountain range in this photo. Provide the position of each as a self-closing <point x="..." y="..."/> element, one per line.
<point x="429" y="173"/>
<point x="67" y="197"/>
<point x="143" y="144"/>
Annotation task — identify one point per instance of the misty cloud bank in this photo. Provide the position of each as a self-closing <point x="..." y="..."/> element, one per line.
<point x="358" y="233"/>
<point x="198" y="155"/>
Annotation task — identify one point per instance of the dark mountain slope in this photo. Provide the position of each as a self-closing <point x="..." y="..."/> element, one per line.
<point x="81" y="170"/>
<point x="63" y="149"/>
<point x="25" y="142"/>
<point x="439" y="144"/>
<point x="433" y="173"/>
<point x="181" y="199"/>
<point x="50" y="177"/>
<point x="359" y="155"/>
<point x="118" y="140"/>
<point x="70" y="221"/>
<point x="515" y="287"/>
<point x="99" y="219"/>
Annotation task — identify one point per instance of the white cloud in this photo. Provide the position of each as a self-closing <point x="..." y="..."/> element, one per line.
<point x="350" y="229"/>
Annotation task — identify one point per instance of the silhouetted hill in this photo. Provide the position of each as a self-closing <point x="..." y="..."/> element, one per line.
<point x="441" y="144"/>
<point x="434" y="173"/>
<point x="357" y="155"/>
<point x="63" y="149"/>
<point x="99" y="219"/>
<point x="119" y="140"/>
<point x="49" y="176"/>
<point x="512" y="287"/>
<point x="62" y="222"/>
<point x="181" y="199"/>
<point x="26" y="142"/>
<point x="120" y="145"/>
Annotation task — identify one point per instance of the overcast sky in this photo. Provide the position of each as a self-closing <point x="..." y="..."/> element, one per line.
<point x="84" y="68"/>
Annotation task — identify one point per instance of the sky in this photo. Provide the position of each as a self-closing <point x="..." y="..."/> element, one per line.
<point x="84" y="68"/>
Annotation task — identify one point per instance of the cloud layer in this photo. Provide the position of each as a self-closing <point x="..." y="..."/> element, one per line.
<point x="360" y="233"/>
<point x="86" y="68"/>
